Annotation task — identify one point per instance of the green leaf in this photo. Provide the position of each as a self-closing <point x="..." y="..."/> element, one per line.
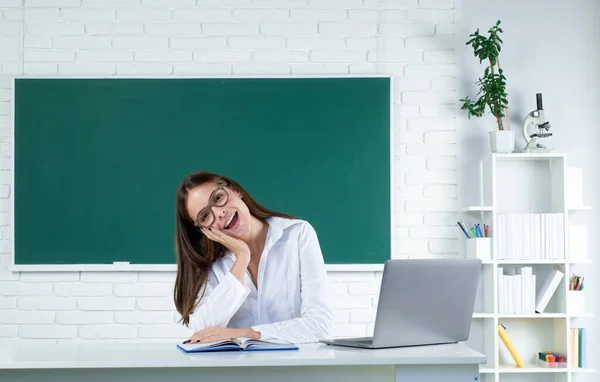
<point x="491" y="86"/>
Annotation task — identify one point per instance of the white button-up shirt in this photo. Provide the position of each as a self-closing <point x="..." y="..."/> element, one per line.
<point x="291" y="300"/>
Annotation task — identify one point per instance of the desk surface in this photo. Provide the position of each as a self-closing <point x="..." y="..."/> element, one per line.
<point x="160" y="355"/>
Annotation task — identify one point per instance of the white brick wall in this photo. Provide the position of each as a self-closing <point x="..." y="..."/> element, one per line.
<point x="410" y="39"/>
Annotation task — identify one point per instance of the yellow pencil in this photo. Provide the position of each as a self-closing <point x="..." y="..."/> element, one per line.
<point x="509" y="346"/>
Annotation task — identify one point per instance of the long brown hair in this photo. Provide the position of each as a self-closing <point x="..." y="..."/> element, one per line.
<point x="195" y="252"/>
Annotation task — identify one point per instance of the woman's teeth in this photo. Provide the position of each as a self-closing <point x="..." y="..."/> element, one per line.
<point x="230" y="220"/>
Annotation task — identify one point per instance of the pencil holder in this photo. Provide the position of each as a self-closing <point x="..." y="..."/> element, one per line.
<point x="576" y="302"/>
<point x="480" y="248"/>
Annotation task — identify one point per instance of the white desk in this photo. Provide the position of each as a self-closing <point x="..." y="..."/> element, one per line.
<point x="149" y="362"/>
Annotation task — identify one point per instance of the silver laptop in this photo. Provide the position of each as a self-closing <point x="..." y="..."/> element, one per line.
<point x="422" y="302"/>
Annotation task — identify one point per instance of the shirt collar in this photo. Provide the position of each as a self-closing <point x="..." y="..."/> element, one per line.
<point x="276" y="227"/>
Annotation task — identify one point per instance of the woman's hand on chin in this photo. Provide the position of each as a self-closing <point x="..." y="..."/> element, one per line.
<point x="239" y="247"/>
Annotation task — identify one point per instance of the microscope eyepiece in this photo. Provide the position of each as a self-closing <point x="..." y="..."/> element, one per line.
<point x="538" y="97"/>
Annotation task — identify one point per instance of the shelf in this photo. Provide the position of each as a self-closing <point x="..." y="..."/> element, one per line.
<point x="582" y="370"/>
<point x="531" y="369"/>
<point x="529" y="315"/>
<point x="516" y="262"/>
<point x="585" y="315"/>
<point x="527" y="183"/>
<point x="489" y="369"/>
<point x="537" y="369"/>
<point x="529" y="156"/>
<point x="477" y="209"/>
<point x="580" y="208"/>
<point x="541" y="262"/>
<point x="533" y="315"/>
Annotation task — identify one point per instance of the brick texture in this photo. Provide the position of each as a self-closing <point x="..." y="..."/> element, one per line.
<point x="409" y="39"/>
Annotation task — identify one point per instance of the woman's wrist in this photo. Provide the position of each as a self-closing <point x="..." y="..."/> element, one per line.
<point x="243" y="257"/>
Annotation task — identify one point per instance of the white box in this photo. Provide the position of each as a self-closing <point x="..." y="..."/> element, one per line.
<point x="576" y="302"/>
<point x="578" y="237"/>
<point x="574" y="186"/>
<point x="480" y="248"/>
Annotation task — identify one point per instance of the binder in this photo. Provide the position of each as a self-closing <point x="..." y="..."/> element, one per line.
<point x="509" y="346"/>
<point x="547" y="290"/>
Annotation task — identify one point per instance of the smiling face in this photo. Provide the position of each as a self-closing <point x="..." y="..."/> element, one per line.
<point x="217" y="206"/>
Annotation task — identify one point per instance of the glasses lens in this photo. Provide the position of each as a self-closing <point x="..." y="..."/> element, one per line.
<point x="205" y="218"/>
<point x="220" y="198"/>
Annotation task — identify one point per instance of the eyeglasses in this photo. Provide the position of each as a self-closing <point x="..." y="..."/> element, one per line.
<point x="206" y="217"/>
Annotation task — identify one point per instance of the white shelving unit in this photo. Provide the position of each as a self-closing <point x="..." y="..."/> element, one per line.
<point x="526" y="183"/>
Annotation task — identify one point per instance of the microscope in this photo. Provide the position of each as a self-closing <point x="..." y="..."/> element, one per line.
<point x="536" y="127"/>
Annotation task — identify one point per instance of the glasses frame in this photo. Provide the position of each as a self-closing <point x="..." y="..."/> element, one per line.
<point x="210" y="205"/>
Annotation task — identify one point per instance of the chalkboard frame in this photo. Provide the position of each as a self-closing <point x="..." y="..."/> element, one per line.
<point x="125" y="266"/>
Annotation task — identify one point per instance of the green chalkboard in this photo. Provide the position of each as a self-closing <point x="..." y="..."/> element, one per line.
<point x="97" y="161"/>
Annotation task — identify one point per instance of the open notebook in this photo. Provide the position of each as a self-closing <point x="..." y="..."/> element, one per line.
<point x="242" y="343"/>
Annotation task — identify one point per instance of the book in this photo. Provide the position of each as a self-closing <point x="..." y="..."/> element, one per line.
<point x="530" y="236"/>
<point x="547" y="290"/>
<point x="516" y="290"/>
<point x="575" y="347"/>
<point x="238" y="344"/>
<point x="582" y="347"/>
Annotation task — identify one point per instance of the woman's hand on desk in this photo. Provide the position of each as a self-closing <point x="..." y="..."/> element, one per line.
<point x="217" y="333"/>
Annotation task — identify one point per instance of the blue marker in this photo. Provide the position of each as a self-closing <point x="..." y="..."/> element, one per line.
<point x="478" y="228"/>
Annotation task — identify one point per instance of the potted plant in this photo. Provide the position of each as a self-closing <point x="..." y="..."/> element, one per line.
<point x="492" y="89"/>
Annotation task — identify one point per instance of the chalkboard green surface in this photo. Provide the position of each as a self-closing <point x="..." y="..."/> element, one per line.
<point x="97" y="161"/>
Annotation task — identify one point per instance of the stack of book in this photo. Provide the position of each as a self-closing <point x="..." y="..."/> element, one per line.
<point x="530" y="236"/>
<point x="516" y="290"/>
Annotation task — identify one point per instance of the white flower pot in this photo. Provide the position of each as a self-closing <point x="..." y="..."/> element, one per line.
<point x="502" y="141"/>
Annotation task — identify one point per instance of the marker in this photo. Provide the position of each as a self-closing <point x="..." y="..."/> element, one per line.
<point x="463" y="229"/>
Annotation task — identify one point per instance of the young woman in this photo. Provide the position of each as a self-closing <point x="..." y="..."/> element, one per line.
<point x="244" y="270"/>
